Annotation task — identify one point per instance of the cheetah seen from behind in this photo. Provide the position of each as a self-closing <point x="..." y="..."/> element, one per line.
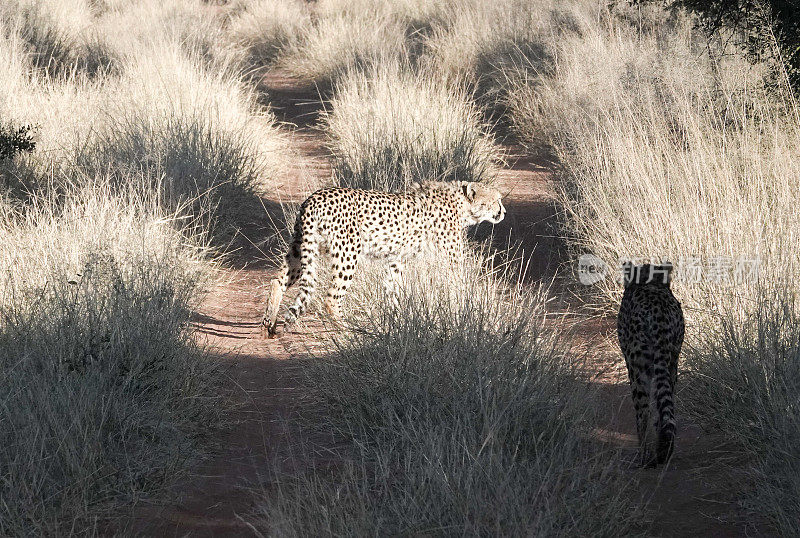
<point x="349" y="223"/>
<point x="650" y="328"/>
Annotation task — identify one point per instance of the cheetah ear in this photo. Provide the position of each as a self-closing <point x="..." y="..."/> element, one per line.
<point x="468" y="189"/>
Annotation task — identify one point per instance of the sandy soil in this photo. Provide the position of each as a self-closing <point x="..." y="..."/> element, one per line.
<point x="692" y="497"/>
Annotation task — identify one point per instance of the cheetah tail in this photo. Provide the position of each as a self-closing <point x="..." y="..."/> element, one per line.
<point x="665" y="404"/>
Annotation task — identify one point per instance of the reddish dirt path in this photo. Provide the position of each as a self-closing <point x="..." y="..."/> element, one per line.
<point x="688" y="498"/>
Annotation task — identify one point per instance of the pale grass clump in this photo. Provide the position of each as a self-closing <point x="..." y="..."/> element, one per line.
<point x="197" y="133"/>
<point x="58" y="36"/>
<point x="452" y="36"/>
<point x="478" y="43"/>
<point x="103" y="391"/>
<point x="390" y="126"/>
<point x="164" y="77"/>
<point x="469" y="36"/>
<point x="62" y="111"/>
<point x="746" y="383"/>
<point x="172" y="84"/>
<point x="264" y="28"/>
<point x="153" y="26"/>
<point x="417" y="16"/>
<point x="335" y="45"/>
<point x="664" y="158"/>
<point x="346" y="35"/>
<point x="64" y="39"/>
<point x="457" y="409"/>
<point x="14" y="73"/>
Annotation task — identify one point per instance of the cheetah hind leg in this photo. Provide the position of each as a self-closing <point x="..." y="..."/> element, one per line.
<point x="278" y="286"/>
<point x="640" y="387"/>
<point x="269" y="324"/>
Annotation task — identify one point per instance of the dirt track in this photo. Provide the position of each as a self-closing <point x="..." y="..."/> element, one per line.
<point x="688" y="498"/>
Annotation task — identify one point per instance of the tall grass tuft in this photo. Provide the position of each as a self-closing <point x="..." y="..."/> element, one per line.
<point x="332" y="46"/>
<point x="198" y="169"/>
<point x="389" y="127"/>
<point x="477" y="41"/>
<point x="198" y="135"/>
<point x="745" y="384"/>
<point x="58" y="37"/>
<point x="458" y="412"/>
<point x="265" y="28"/>
<point x="103" y="391"/>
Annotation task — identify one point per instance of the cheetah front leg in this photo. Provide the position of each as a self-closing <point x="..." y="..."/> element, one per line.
<point x="344" y="267"/>
<point x="393" y="279"/>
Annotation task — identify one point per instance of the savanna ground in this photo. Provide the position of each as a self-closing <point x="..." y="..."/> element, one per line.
<point x="146" y="207"/>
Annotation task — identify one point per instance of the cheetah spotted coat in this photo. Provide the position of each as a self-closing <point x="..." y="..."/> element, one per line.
<point x="349" y="223"/>
<point x="650" y="328"/>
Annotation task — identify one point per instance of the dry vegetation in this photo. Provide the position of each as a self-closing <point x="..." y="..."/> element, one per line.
<point x="389" y="127"/>
<point x="145" y="140"/>
<point x="457" y="411"/>
<point x="670" y="146"/>
<point x="460" y="411"/>
<point x="670" y="151"/>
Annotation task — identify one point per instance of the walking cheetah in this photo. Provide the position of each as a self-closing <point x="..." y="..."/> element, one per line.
<point x="349" y="223"/>
<point x="650" y="328"/>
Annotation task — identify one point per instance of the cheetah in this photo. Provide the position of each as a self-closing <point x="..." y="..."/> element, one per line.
<point x="650" y="328"/>
<point x="350" y="223"/>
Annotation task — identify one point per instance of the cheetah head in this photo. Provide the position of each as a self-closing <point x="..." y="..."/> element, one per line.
<point x="485" y="203"/>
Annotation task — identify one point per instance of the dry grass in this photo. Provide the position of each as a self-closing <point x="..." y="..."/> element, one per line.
<point x="335" y="45"/>
<point x="55" y="36"/>
<point x="479" y="41"/>
<point x="265" y="28"/>
<point x="109" y="233"/>
<point x="744" y="383"/>
<point x="389" y="126"/>
<point x="670" y="150"/>
<point x="344" y="36"/>
<point x="456" y="411"/>
<point x="196" y="132"/>
<point x="666" y="152"/>
<point x="104" y="393"/>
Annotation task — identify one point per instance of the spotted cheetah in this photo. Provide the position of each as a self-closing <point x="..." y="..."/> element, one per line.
<point x="650" y="328"/>
<point x="351" y="223"/>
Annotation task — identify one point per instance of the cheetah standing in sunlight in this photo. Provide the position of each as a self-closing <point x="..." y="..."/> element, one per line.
<point x="650" y="328"/>
<point x="349" y="223"/>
